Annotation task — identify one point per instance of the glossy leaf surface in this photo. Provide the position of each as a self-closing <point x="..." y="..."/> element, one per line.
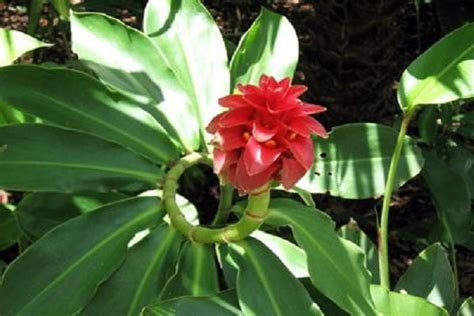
<point x="222" y="304"/>
<point x="185" y="32"/>
<point x="441" y="74"/>
<point x="141" y="277"/>
<point x="430" y="276"/>
<point x="336" y="266"/>
<point x="127" y="59"/>
<point x="353" y="163"/>
<point x="96" y="109"/>
<point x="467" y="308"/>
<point x="13" y="44"/>
<point x="292" y="256"/>
<point x="450" y="194"/>
<point x="396" y="304"/>
<point x="40" y="212"/>
<point x="196" y="273"/>
<point x="265" y="286"/>
<point x="352" y="232"/>
<point x="49" y="277"/>
<point x="35" y="157"/>
<point x="269" y="47"/>
<point x="9" y="230"/>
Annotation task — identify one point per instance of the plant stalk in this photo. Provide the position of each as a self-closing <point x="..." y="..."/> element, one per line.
<point x="225" y="203"/>
<point x="253" y="217"/>
<point x="384" y="267"/>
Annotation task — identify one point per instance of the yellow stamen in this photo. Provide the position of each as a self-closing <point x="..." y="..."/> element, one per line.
<point x="271" y="143"/>
<point x="246" y="136"/>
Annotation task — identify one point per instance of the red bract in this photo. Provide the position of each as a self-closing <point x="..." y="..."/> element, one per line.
<point x="265" y="135"/>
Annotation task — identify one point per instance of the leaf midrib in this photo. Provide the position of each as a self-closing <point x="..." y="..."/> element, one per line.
<point x="139" y="175"/>
<point x="90" y="253"/>
<point x="435" y="78"/>
<point x="106" y="125"/>
<point x="264" y="281"/>
<point x="164" y="245"/>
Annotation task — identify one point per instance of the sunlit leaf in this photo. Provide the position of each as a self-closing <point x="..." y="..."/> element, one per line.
<point x="59" y="273"/>
<point x="128" y="60"/>
<point x="186" y="34"/>
<point x="430" y="276"/>
<point x="269" y="47"/>
<point x="336" y="266"/>
<point x="96" y="109"/>
<point x="13" y="44"/>
<point x="441" y="74"/>
<point x="396" y="304"/>
<point x="353" y="163"/>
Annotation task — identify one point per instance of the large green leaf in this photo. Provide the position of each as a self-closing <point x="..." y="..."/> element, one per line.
<point x="336" y="266"/>
<point x="9" y="230"/>
<point x="265" y="286"/>
<point x="35" y="157"/>
<point x="269" y="47"/>
<point x="141" y="277"/>
<point x="451" y="197"/>
<point x="430" y="276"/>
<point x="353" y="163"/>
<point x="196" y="273"/>
<point x="185" y="32"/>
<point x="396" y="304"/>
<point x="86" y="104"/>
<point x="352" y="232"/>
<point x="13" y="44"/>
<point x="222" y="304"/>
<point x="59" y="274"/>
<point x="441" y="74"/>
<point x="461" y="161"/>
<point x="127" y="59"/>
<point x="40" y="212"/>
<point x="292" y="256"/>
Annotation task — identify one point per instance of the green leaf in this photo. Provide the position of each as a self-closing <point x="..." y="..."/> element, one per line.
<point x="127" y="59"/>
<point x="396" y="304"/>
<point x="352" y="232"/>
<point x="336" y="266"/>
<point x="185" y="32"/>
<point x="196" y="273"/>
<point x="269" y="47"/>
<point x="141" y="277"/>
<point x="427" y="124"/>
<point x="353" y="163"/>
<point x="430" y="276"/>
<point x="40" y="212"/>
<point x="467" y="308"/>
<point x="292" y="256"/>
<point x="59" y="274"/>
<point x="222" y="304"/>
<point x="9" y="230"/>
<point x="96" y="109"/>
<point x="450" y="195"/>
<point x="441" y="74"/>
<point x="38" y="157"/>
<point x="265" y="286"/>
<point x="13" y="44"/>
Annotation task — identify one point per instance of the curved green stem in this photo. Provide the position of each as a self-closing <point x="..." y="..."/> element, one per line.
<point x="225" y="203"/>
<point x="384" y="272"/>
<point x="251" y="220"/>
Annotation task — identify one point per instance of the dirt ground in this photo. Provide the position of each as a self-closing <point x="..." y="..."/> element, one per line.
<point x="351" y="55"/>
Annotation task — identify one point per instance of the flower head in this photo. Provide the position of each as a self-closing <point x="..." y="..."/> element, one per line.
<point x="265" y="135"/>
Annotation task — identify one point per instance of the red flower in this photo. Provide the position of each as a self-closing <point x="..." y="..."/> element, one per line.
<point x="265" y="135"/>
